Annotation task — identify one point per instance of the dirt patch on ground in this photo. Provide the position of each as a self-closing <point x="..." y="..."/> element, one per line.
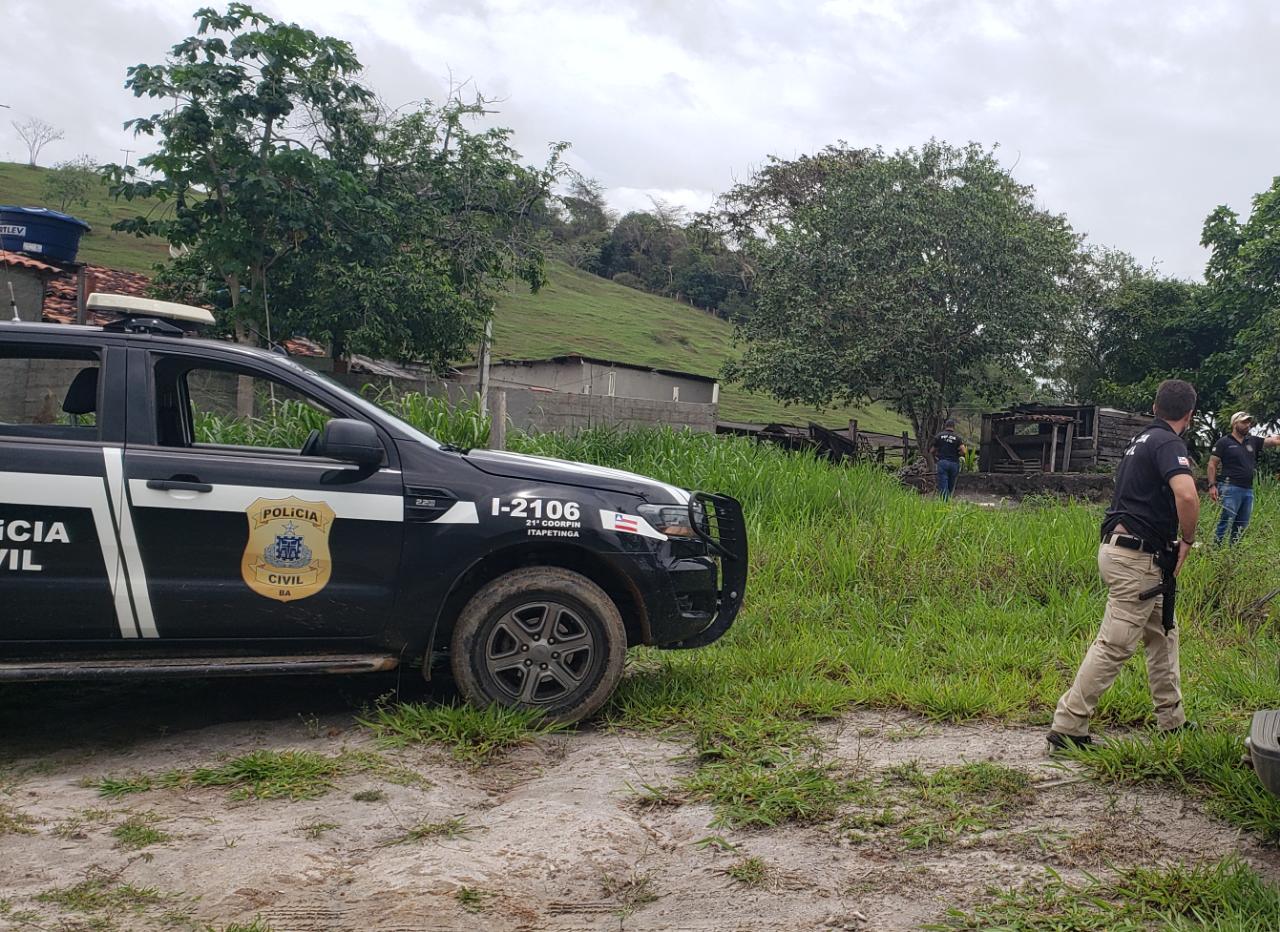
<point x="551" y="836"/>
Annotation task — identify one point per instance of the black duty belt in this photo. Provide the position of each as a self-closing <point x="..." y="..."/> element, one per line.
<point x="1130" y="542"/>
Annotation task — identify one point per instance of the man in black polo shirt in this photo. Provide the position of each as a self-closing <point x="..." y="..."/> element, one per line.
<point x="947" y="448"/>
<point x="1155" y="498"/>
<point x="1231" y="467"/>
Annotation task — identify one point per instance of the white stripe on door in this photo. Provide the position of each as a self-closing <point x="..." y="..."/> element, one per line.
<point x="354" y="505"/>
<point x="129" y="544"/>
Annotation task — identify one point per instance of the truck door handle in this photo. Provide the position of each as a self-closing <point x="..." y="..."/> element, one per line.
<point x="178" y="485"/>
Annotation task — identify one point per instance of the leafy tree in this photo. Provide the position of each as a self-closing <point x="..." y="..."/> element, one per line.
<point x="1074" y="359"/>
<point x="917" y="278"/>
<point x="263" y="124"/>
<point x="69" y="184"/>
<point x="586" y="210"/>
<point x="1243" y="295"/>
<point x="305" y="210"/>
<point x="36" y="134"/>
<point x="447" y="222"/>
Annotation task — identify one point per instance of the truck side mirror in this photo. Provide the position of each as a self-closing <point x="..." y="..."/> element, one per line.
<point x="351" y="441"/>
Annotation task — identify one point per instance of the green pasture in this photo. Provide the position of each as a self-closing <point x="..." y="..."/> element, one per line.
<point x="862" y="593"/>
<point x="23" y="186"/>
<point x="576" y="312"/>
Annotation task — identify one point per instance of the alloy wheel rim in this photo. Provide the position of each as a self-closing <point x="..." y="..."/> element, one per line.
<point x="540" y="652"/>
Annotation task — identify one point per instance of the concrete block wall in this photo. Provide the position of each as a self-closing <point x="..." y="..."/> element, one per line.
<point x="557" y="412"/>
<point x="32" y="390"/>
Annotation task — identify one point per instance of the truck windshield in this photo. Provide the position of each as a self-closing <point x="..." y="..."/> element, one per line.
<point x="356" y="400"/>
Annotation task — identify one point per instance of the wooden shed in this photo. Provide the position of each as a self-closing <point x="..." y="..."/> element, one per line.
<point x="1033" y="438"/>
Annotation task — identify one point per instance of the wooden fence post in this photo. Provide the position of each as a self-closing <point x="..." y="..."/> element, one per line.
<point x="498" y="426"/>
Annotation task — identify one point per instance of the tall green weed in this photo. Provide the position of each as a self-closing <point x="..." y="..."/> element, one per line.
<point x="863" y="592"/>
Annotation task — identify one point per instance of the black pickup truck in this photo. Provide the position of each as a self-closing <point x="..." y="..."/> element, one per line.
<point x="143" y="532"/>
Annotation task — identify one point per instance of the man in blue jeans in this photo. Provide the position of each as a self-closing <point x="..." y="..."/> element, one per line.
<point x="1231" y="469"/>
<point x="947" y="448"/>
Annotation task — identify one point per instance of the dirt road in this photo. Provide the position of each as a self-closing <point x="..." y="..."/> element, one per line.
<point x="551" y="836"/>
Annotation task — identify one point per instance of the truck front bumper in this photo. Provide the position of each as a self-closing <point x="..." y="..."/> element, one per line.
<point x="711" y="588"/>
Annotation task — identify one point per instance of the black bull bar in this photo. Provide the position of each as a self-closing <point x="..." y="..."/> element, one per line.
<point x="723" y="529"/>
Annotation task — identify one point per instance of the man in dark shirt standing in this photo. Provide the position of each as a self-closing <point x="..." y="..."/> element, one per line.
<point x="947" y="448"/>
<point x="1231" y="467"/>
<point x="1154" y="499"/>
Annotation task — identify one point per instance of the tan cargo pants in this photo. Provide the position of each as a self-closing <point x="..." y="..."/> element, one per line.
<point x="1126" y="621"/>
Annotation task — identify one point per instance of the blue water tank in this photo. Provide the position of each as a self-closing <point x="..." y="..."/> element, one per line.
<point x="39" y="231"/>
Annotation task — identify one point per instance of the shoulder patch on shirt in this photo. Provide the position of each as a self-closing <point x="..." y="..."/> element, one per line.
<point x="1183" y="461"/>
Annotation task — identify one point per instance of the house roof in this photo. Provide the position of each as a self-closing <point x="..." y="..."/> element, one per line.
<point x="578" y="358"/>
<point x="60" y="293"/>
<point x="22" y="261"/>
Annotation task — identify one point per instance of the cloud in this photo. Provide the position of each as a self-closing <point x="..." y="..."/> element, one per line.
<point x="1134" y="119"/>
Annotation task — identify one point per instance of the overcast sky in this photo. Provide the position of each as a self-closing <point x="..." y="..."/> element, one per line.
<point x="1133" y="117"/>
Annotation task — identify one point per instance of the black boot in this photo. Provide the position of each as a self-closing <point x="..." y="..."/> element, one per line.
<point x="1059" y="743"/>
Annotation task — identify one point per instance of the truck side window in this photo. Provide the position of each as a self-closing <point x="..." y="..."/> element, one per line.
<point x="49" y="392"/>
<point x="202" y="405"/>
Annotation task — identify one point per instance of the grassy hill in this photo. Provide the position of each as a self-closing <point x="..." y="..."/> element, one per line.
<point x="22" y="186"/>
<point x="574" y="313"/>
<point x="578" y="312"/>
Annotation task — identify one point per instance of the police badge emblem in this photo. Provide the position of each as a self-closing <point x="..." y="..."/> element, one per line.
<point x="287" y="555"/>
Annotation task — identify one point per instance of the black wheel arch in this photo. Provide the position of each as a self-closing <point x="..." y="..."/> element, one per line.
<point x="615" y="582"/>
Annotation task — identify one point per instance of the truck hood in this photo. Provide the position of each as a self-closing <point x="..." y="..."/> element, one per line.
<point x="565" y="472"/>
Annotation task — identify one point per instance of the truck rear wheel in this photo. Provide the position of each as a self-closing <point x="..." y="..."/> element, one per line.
<point x="540" y="638"/>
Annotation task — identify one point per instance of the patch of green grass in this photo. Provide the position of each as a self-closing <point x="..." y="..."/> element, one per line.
<point x="14" y="821"/>
<point x="73" y="826"/>
<point x="765" y="793"/>
<point x="114" y="787"/>
<point x="273" y="775"/>
<point x="472" y="735"/>
<point x="752" y="871"/>
<point x="139" y="831"/>
<point x="314" y="830"/>
<point x="369" y="796"/>
<point x="449" y="829"/>
<point x="1224" y="895"/>
<point x="473" y="899"/>
<point x="101" y="893"/>
<point x="263" y="774"/>
<point x="257" y="925"/>
<point x="1205" y="764"/>
<point x="926" y="810"/>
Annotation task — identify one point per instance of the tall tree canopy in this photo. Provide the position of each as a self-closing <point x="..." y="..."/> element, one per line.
<point x="304" y="208"/>
<point x="917" y="278"/>
<point x="1243" y="281"/>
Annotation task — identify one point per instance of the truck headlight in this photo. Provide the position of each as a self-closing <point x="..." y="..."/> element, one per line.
<point x="672" y="520"/>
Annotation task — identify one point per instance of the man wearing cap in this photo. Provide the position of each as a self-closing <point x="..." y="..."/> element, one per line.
<point x="947" y="448"/>
<point x="1231" y="467"/>
<point x="1155" y="498"/>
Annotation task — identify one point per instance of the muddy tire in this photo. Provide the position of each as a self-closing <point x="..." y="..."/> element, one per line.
<point x="540" y="638"/>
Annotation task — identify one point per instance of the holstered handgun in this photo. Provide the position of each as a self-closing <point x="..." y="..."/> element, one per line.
<point x="1167" y="560"/>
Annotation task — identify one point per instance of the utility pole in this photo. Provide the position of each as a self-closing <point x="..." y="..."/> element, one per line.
<point x="127" y="153"/>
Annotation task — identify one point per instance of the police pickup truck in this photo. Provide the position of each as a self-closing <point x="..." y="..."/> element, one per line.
<point x="145" y="532"/>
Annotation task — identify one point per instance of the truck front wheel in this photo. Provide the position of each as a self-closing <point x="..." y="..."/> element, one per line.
<point x="540" y="638"/>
